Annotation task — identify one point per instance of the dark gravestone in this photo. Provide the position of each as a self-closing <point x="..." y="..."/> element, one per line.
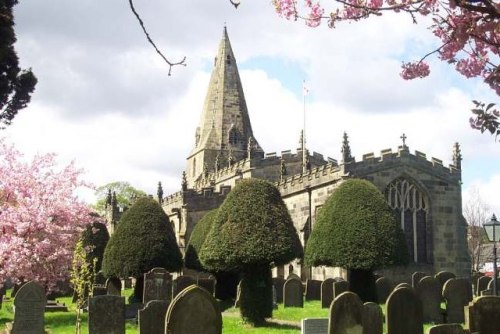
<point x="292" y="275"/>
<point x="430" y="296"/>
<point x="194" y="310"/>
<point x="208" y="284"/>
<point x="152" y="317"/>
<point x="293" y="295"/>
<point x="482" y="284"/>
<point x="416" y="277"/>
<point x="444" y="276"/>
<point x="314" y="326"/>
<point x="180" y="283"/>
<point x="475" y="277"/>
<point x="457" y="293"/>
<point x="346" y="314"/>
<point x="373" y="318"/>
<point x="29" y="309"/>
<point x="278" y="283"/>
<point x="482" y="315"/>
<point x="404" y="312"/>
<point x="403" y="285"/>
<point x="384" y="289"/>
<point x="446" y="329"/>
<point x="107" y="315"/>
<point x="114" y="286"/>
<point x="313" y="289"/>
<point x="339" y="288"/>
<point x="327" y="293"/>
<point x="99" y="290"/>
<point x="157" y="285"/>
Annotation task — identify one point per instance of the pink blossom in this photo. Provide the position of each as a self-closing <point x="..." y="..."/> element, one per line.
<point x="414" y="70"/>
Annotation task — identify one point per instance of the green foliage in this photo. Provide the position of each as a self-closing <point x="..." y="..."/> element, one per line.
<point x="16" y="85"/>
<point x="256" y="298"/>
<point x="143" y="240"/>
<point x="125" y="195"/>
<point x="252" y="227"/>
<point x="356" y="229"/>
<point x="196" y="240"/>
<point x="94" y="240"/>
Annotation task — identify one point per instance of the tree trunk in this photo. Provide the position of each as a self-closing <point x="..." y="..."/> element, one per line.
<point x="256" y="299"/>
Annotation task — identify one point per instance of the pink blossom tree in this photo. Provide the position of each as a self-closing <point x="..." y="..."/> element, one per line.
<point x="40" y="216"/>
<point x="468" y="30"/>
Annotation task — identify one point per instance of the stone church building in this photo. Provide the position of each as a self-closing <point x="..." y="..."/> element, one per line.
<point x="424" y="193"/>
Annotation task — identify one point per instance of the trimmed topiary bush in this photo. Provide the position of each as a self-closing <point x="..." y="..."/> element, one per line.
<point x="94" y="239"/>
<point x="143" y="240"/>
<point x="196" y="240"/>
<point x="251" y="231"/>
<point x="356" y="230"/>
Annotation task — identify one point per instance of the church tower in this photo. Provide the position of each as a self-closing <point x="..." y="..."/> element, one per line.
<point x="224" y="135"/>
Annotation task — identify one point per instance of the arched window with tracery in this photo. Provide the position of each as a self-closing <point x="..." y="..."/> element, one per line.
<point x="233" y="136"/>
<point x="411" y="207"/>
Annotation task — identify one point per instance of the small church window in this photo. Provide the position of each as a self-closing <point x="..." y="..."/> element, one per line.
<point x="233" y="136"/>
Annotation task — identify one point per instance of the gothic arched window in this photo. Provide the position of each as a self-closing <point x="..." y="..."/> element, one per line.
<point x="233" y="136"/>
<point x="411" y="208"/>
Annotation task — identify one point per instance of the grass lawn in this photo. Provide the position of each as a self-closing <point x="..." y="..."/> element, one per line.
<point x="285" y="320"/>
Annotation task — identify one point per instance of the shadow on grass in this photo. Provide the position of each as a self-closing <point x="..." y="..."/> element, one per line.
<point x="225" y="304"/>
<point x="270" y="323"/>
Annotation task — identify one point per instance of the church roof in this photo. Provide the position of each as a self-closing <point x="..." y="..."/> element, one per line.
<point x="224" y="123"/>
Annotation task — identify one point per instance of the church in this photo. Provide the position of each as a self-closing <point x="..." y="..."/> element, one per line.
<point x="424" y="193"/>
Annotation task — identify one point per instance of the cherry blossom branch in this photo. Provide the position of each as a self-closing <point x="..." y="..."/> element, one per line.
<point x="170" y="64"/>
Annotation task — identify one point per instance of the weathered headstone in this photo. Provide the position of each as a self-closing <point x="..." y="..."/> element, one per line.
<point x="327" y="292"/>
<point x="384" y="289"/>
<point x="292" y="275"/>
<point x="404" y="312"/>
<point x="487" y="292"/>
<point x="99" y="290"/>
<point x="416" y="277"/>
<point x="157" y="285"/>
<point x="114" y="286"/>
<point x="446" y="329"/>
<point x="180" y="283"/>
<point x="29" y="309"/>
<point x="373" y="318"/>
<point x="314" y="326"/>
<point x="339" y="288"/>
<point x="430" y="296"/>
<point x="346" y="314"/>
<point x="482" y="284"/>
<point x="475" y="277"/>
<point x="152" y="317"/>
<point x="194" y="310"/>
<point x="444" y="276"/>
<point x="107" y="315"/>
<point x="208" y="284"/>
<point x="481" y="316"/>
<point x="278" y="282"/>
<point x="457" y="293"/>
<point x="403" y="285"/>
<point x="293" y="295"/>
<point x="313" y="289"/>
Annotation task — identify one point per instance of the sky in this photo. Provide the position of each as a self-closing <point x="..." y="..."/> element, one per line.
<point x="104" y="98"/>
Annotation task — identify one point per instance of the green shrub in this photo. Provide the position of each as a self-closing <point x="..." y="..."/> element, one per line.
<point x="143" y="240"/>
<point x="94" y="240"/>
<point x="196" y="240"/>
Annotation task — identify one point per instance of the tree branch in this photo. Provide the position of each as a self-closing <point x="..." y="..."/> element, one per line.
<point x="170" y="64"/>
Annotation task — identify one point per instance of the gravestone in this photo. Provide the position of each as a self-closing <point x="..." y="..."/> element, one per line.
<point x="346" y="314"/>
<point x="292" y="275"/>
<point x="444" y="276"/>
<point x="193" y="310"/>
<point x="157" y="285"/>
<point x="314" y="326"/>
<point x="403" y="285"/>
<point x="99" y="290"/>
<point x="180" y="283"/>
<point x="29" y="309"/>
<point x="416" y="277"/>
<point x="446" y="329"/>
<point x="373" y="318"/>
<point x="313" y="289"/>
<point x="384" y="289"/>
<point x="114" y="286"/>
<point x="107" y="315"/>
<point x="278" y="282"/>
<point x="404" y="312"/>
<point x="327" y="292"/>
<point x="475" y="277"/>
<point x="339" y="288"/>
<point x="487" y="292"/>
<point x="481" y="316"/>
<point x="208" y="284"/>
<point x="490" y="284"/>
<point x="152" y="317"/>
<point x="293" y="295"/>
<point x="457" y="293"/>
<point x="430" y="296"/>
<point x="482" y="284"/>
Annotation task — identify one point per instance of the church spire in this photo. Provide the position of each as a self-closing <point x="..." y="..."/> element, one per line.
<point x="225" y="124"/>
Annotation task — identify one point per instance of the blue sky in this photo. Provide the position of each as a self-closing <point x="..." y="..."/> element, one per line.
<point x="104" y="98"/>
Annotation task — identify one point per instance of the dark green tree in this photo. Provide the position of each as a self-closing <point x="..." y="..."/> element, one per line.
<point x="252" y="231"/>
<point x="196" y="240"/>
<point x="143" y="240"/>
<point x="94" y="240"/>
<point x="356" y="230"/>
<point x="16" y="85"/>
<point x="126" y="194"/>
